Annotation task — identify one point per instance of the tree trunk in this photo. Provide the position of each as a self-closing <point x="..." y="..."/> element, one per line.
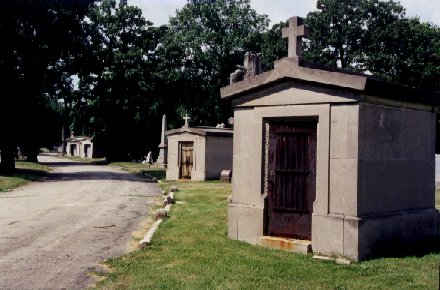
<point x="31" y="153"/>
<point x="7" y="165"/>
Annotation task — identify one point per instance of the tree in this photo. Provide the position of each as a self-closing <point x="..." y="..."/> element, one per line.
<point x="28" y="55"/>
<point x="115" y="102"/>
<point x="374" y="36"/>
<point x="209" y="38"/>
<point x="273" y="46"/>
<point x="407" y="52"/>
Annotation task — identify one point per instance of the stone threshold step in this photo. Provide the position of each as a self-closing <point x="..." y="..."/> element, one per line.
<point x="285" y="244"/>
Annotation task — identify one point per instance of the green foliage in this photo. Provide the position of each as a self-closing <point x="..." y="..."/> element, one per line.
<point x="206" y="40"/>
<point x="273" y="47"/>
<point x="191" y="250"/>
<point x="131" y="73"/>
<point x="407" y="52"/>
<point x="115" y="101"/>
<point x="375" y="36"/>
<point x="37" y="36"/>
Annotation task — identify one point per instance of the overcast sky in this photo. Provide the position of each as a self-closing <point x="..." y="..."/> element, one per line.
<point x="159" y="11"/>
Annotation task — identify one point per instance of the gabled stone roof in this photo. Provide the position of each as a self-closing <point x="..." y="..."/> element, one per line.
<point x="202" y="131"/>
<point x="292" y="69"/>
<point x="78" y="139"/>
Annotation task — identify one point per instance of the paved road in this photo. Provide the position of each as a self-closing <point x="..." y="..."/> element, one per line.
<point x="54" y="232"/>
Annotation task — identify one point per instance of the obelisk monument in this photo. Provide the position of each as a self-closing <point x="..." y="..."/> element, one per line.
<point x="162" y="158"/>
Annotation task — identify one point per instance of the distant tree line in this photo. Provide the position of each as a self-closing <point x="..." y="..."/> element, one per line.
<point x="99" y="68"/>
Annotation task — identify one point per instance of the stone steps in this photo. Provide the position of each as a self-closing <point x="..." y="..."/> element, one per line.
<point x="285" y="244"/>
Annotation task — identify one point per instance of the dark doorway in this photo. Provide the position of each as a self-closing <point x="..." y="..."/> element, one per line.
<point x="72" y="149"/>
<point x="87" y="150"/>
<point x="186" y="159"/>
<point x="291" y="179"/>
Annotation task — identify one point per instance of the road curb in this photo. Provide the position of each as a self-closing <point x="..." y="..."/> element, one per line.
<point x="159" y="216"/>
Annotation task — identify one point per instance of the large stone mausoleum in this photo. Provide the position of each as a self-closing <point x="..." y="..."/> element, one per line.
<point x="341" y="161"/>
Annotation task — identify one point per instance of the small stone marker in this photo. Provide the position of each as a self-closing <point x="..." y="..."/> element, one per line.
<point x="149" y="158"/>
<point x="160" y="214"/>
<point x="226" y="176"/>
<point x="294" y="34"/>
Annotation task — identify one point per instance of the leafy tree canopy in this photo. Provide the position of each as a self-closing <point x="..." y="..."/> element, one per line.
<point x="115" y="102"/>
<point x="375" y="36"/>
<point x="207" y="40"/>
<point x="37" y="37"/>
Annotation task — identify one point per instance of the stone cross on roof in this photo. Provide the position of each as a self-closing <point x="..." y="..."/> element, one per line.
<point x="294" y="33"/>
<point x="186" y="118"/>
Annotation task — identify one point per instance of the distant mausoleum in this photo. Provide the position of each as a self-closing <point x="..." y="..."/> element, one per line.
<point x="198" y="153"/>
<point x="79" y="146"/>
<point x="330" y="161"/>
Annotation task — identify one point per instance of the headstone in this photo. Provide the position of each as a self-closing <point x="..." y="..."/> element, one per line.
<point x="162" y="158"/>
<point x="226" y="176"/>
<point x="149" y="159"/>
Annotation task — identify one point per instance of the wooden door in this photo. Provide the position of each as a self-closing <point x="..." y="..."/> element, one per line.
<point x="186" y="159"/>
<point x="291" y="179"/>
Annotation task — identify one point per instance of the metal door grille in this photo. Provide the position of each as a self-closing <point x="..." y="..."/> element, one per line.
<point x="291" y="171"/>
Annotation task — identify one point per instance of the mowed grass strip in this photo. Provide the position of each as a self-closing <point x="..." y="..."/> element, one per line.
<point x="25" y="172"/>
<point x="139" y="168"/>
<point x="191" y="251"/>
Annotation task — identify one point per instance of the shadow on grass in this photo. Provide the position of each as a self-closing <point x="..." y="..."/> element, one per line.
<point x="28" y="174"/>
<point x="158" y="173"/>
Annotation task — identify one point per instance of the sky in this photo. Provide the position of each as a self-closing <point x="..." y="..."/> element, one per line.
<point x="159" y="11"/>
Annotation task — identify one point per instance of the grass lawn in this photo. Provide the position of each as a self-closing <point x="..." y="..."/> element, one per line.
<point x="139" y="168"/>
<point x="25" y="172"/>
<point x="191" y="251"/>
<point x="96" y="161"/>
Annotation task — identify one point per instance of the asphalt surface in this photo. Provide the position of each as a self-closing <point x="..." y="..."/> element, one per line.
<point x="55" y="232"/>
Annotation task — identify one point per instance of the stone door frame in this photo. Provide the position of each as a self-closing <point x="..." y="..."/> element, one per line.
<point x="320" y="113"/>
<point x="293" y="219"/>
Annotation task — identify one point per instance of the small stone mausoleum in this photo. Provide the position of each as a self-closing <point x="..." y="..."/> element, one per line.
<point x="79" y="146"/>
<point x="198" y="153"/>
<point x="340" y="161"/>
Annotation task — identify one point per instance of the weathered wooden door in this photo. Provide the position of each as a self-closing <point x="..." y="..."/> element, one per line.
<point x="186" y="159"/>
<point x="291" y="179"/>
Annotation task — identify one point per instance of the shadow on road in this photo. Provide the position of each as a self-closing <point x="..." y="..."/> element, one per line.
<point x="63" y="164"/>
<point x="79" y="171"/>
<point x="92" y="175"/>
